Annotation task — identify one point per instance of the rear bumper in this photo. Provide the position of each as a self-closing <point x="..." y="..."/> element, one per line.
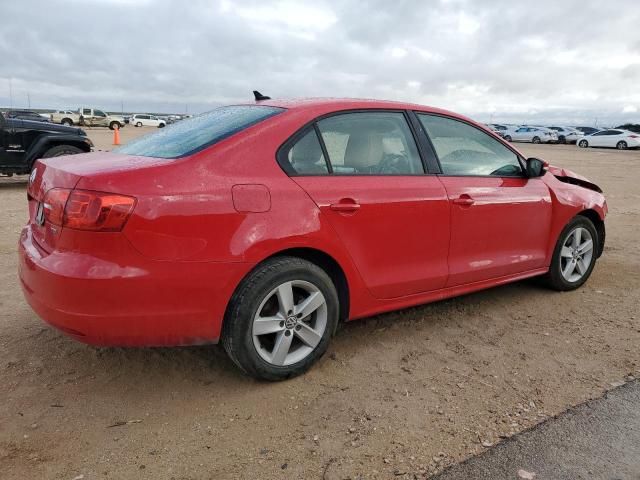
<point x="127" y="301"/>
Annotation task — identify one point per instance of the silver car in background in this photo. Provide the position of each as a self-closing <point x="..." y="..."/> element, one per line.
<point x="532" y="135"/>
<point x="567" y="134"/>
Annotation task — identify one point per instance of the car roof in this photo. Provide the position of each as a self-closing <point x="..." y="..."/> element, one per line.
<point x="327" y="105"/>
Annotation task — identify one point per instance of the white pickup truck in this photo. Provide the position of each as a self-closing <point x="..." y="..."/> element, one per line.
<point x="88" y="117"/>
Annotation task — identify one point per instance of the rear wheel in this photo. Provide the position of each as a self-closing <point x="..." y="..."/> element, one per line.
<point x="281" y="318"/>
<point x="583" y="144"/>
<point x="138" y="124"/>
<point x="574" y="256"/>
<point x="622" y="145"/>
<point x="67" y="122"/>
<point x="507" y="138"/>
<point x="60" y="150"/>
<point x="535" y="140"/>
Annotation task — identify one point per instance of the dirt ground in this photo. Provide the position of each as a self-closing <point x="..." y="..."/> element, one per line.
<point x="399" y="395"/>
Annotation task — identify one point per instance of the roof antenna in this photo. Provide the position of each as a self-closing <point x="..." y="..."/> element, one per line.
<point x="259" y="96"/>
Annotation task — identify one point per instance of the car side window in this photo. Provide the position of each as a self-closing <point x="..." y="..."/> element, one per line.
<point x="465" y="150"/>
<point x="306" y="157"/>
<point x="370" y="143"/>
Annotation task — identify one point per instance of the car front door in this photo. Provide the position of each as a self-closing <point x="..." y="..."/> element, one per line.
<point x="99" y="118"/>
<point x="500" y="219"/>
<point x="599" y="139"/>
<point x="365" y="173"/>
<point x="521" y="134"/>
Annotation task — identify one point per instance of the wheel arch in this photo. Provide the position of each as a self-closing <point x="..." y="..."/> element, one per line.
<point x="598" y="222"/>
<point x="45" y="142"/>
<point x="323" y="260"/>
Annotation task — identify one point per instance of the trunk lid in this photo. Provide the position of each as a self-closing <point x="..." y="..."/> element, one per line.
<point x="67" y="172"/>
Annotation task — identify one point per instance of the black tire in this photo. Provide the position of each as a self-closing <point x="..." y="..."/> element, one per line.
<point x="535" y="140"/>
<point x="237" y="331"/>
<point x="554" y="278"/>
<point x="66" y="121"/>
<point x="139" y="124"/>
<point x="583" y="144"/>
<point x="60" y="150"/>
<point x="114" y="125"/>
<point x="622" y="145"/>
<point x="562" y="139"/>
<point x="507" y="138"/>
<point x="161" y="125"/>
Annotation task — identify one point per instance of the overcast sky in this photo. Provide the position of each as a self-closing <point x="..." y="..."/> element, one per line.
<point x="557" y="61"/>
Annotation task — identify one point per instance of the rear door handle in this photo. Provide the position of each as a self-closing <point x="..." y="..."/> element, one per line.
<point x="345" y="205"/>
<point x="464" y="200"/>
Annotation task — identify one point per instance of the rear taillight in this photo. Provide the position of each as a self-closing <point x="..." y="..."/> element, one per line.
<point x="87" y="210"/>
<point x="633" y="136"/>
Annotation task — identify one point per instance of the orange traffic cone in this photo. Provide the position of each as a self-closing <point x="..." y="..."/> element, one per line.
<point x="116" y="136"/>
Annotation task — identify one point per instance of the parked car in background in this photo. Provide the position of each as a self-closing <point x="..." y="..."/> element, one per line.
<point x="145" y="120"/>
<point x="291" y="225"/>
<point x="587" y="130"/>
<point x="532" y="134"/>
<point x="26" y="115"/>
<point x="494" y="129"/>
<point x="632" y="127"/>
<point x="567" y="134"/>
<point x="613" y="138"/>
<point x="22" y="142"/>
<point x="89" y="117"/>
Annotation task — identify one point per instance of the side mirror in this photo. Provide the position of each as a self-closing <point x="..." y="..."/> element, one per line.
<point x="535" y="167"/>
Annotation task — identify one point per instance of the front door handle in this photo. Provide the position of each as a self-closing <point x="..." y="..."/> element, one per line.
<point x="464" y="200"/>
<point x="345" y="205"/>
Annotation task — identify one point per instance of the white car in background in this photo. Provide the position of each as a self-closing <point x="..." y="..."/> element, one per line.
<point x="567" y="134"/>
<point x="613" y="138"/>
<point x="531" y="134"/>
<point x="147" y="121"/>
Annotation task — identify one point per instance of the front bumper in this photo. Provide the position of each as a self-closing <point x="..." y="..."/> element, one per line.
<point x="129" y="300"/>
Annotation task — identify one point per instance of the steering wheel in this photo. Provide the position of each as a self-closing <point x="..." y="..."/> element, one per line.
<point x="393" y="164"/>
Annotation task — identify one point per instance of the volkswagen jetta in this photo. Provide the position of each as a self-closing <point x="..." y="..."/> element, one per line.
<point x="265" y="225"/>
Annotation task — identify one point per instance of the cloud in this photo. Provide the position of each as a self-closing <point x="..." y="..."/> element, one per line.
<point x="570" y="62"/>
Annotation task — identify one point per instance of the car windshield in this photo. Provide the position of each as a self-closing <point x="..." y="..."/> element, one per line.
<point x="197" y="133"/>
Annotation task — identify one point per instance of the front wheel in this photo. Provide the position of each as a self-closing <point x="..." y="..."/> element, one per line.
<point x="60" y="150"/>
<point x="280" y="319"/>
<point x="574" y="256"/>
<point x="138" y="124"/>
<point x="114" y="126"/>
<point x="583" y="144"/>
<point x="622" y="145"/>
<point x="507" y="138"/>
<point x="535" y="140"/>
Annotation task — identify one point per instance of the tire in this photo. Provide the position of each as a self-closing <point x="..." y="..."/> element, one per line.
<point x="66" y="121"/>
<point x="161" y="125"/>
<point x="114" y="125"/>
<point x="507" y="138"/>
<point x="60" y="150"/>
<point x="562" y="139"/>
<point x="535" y="140"/>
<point x="583" y="144"/>
<point x="138" y="124"/>
<point x="555" y="278"/>
<point x="257" y="298"/>
<point x="622" y="145"/>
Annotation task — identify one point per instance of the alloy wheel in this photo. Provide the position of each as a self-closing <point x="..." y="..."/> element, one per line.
<point x="622" y="145"/>
<point x="576" y="254"/>
<point x="289" y="323"/>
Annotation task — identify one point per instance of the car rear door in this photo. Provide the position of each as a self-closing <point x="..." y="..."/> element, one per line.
<point x="500" y="219"/>
<point x="364" y="171"/>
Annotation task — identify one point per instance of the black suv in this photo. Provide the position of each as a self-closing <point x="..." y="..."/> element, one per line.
<point x="22" y="142"/>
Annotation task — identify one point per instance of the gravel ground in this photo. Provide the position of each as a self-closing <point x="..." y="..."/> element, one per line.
<point x="400" y="395"/>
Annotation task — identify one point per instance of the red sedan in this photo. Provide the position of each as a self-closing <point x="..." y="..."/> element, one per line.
<point x="265" y="225"/>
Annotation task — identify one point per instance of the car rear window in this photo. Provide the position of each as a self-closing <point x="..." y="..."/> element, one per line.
<point x="197" y="133"/>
